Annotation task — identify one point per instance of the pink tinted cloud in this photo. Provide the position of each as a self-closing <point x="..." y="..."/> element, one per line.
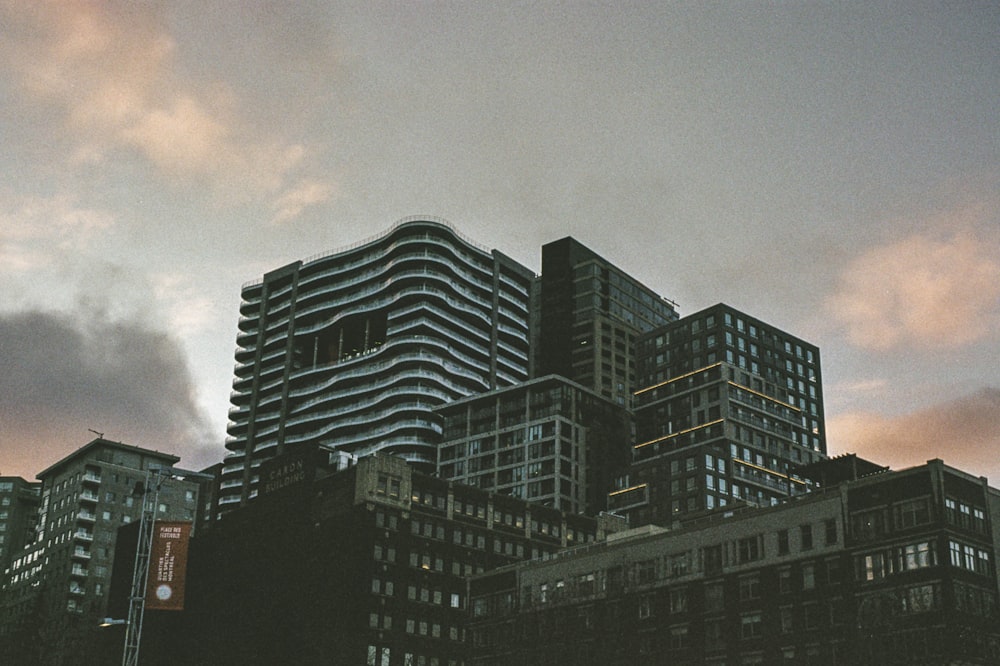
<point x="964" y="432"/>
<point x="936" y="288"/>
<point x="112" y="70"/>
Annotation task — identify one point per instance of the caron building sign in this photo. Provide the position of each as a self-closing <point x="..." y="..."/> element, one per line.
<point x="286" y="471"/>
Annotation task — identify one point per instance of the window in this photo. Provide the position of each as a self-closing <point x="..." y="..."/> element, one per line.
<point x="912" y="513"/>
<point x="833" y="572"/>
<point x="714" y="597"/>
<point x="872" y="567"/>
<point x="811" y="616"/>
<point x="808" y="576"/>
<point x="715" y="638"/>
<point x="750" y="625"/>
<point x="787" y="621"/>
<point x="784" y="581"/>
<point x="978" y="520"/>
<point x="646" y="571"/>
<point x="806" y="536"/>
<point x="915" y="556"/>
<point x="749" y="587"/>
<point x="712" y="557"/>
<point x="782" y="542"/>
<point x="749" y="549"/>
<point x="969" y="557"/>
<point x="678" y="601"/>
<point x="830" y="528"/>
<point x="920" y="599"/>
<point x="678" y="637"/>
<point x="679" y="564"/>
<point x="645" y="603"/>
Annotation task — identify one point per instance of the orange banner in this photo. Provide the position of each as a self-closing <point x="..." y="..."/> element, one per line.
<point x="168" y="565"/>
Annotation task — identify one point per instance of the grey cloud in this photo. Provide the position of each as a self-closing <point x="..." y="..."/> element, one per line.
<point x="61" y="376"/>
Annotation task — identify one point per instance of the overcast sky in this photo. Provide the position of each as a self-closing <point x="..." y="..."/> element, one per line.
<point x="829" y="167"/>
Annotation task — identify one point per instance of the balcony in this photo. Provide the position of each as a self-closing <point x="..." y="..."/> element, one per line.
<point x="75" y="588"/>
<point x="90" y="477"/>
<point x="86" y="516"/>
<point x="80" y="553"/>
<point x="78" y="571"/>
<point x="83" y="535"/>
<point x="761" y="477"/>
<point x="89" y="496"/>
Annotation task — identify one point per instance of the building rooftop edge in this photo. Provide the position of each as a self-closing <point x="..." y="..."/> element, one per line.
<point x="522" y="385"/>
<point x="100" y="441"/>
<point x="398" y="224"/>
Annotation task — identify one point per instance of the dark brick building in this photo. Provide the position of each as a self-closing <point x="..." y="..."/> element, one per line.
<point x="893" y="568"/>
<point x="365" y="566"/>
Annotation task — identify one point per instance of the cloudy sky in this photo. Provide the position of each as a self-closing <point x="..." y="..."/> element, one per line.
<point x="829" y="167"/>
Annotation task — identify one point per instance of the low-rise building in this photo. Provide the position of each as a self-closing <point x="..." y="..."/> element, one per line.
<point x="364" y="566"/>
<point x="893" y="568"/>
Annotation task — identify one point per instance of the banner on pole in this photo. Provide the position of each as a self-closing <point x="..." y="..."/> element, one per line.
<point x="168" y="565"/>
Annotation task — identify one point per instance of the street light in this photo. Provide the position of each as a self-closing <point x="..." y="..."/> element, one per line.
<point x="155" y="476"/>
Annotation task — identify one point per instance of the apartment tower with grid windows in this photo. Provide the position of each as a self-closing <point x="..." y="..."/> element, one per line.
<point x="729" y="409"/>
<point x="589" y="315"/>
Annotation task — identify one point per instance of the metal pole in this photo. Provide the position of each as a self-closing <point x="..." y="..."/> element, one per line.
<point x="140" y="570"/>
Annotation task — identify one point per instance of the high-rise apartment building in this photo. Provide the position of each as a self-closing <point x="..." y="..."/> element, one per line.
<point x="548" y="440"/>
<point x="351" y="351"/>
<point x="19" y="500"/>
<point x="56" y="590"/>
<point x="589" y="316"/>
<point x="729" y="408"/>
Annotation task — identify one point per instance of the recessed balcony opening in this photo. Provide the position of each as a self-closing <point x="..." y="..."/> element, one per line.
<point x="354" y="336"/>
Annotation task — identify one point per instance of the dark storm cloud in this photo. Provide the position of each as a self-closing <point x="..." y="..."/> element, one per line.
<point x="60" y="376"/>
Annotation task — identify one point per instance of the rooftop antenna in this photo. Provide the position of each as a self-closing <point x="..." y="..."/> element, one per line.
<point x="99" y="434"/>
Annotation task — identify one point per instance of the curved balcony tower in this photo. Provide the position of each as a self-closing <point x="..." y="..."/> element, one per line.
<point x="351" y="351"/>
